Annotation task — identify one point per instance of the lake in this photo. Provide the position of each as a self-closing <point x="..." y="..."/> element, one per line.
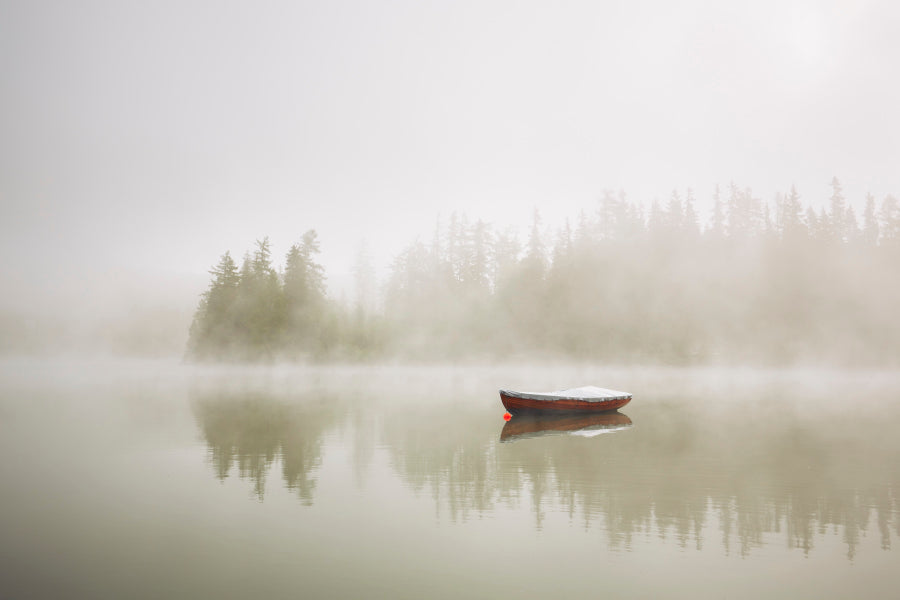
<point x="151" y="479"/>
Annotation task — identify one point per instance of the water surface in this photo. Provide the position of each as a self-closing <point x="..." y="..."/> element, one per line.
<point x="153" y="479"/>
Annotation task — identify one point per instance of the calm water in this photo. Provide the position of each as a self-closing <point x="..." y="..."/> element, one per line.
<point x="130" y="479"/>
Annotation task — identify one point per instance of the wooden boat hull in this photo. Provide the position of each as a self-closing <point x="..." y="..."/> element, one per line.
<point x="516" y="404"/>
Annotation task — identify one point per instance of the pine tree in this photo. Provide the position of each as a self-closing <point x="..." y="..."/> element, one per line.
<point x="851" y="225"/>
<point x="535" y="254"/>
<point x="890" y="220"/>
<point x="673" y="218"/>
<point x="837" y="214"/>
<point x="409" y="286"/>
<point x="870" y="222"/>
<point x="259" y="305"/>
<point x="211" y="333"/>
<point x="738" y="222"/>
<point x="454" y="245"/>
<point x="607" y="216"/>
<point x="364" y="281"/>
<point x="814" y="223"/>
<point x="506" y="252"/>
<point x="717" y="223"/>
<point x="562" y="250"/>
<point x="304" y="294"/>
<point x="478" y="245"/>
<point x="768" y="224"/>
<point x="656" y="222"/>
<point x="583" y="232"/>
<point x="825" y="227"/>
<point x="634" y="220"/>
<point x="791" y="218"/>
<point x="691" y="222"/>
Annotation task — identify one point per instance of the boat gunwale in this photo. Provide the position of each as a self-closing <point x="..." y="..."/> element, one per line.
<point x="515" y="404"/>
<point x="550" y="397"/>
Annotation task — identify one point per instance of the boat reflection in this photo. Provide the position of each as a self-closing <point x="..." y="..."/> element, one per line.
<point x="530" y="426"/>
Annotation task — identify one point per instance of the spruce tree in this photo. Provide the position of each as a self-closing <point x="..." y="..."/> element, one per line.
<point x="259" y="305"/>
<point x="717" y="223"/>
<point x="304" y="295"/>
<point x="691" y="221"/>
<point x="212" y="331"/>
<point x="890" y="221"/>
<point x="837" y="214"/>
<point x="870" y="222"/>
<point x="793" y="227"/>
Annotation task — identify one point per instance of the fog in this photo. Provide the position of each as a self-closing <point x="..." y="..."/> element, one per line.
<point x="762" y="285"/>
<point x="140" y="143"/>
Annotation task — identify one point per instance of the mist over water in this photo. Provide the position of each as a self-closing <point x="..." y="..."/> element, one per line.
<point x="150" y="478"/>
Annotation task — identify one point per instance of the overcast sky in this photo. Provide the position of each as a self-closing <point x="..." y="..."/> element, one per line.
<point x="150" y="137"/>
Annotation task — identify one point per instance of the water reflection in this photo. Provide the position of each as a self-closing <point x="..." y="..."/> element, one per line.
<point x="737" y="476"/>
<point x="532" y="426"/>
<point x="752" y="477"/>
<point x="253" y="431"/>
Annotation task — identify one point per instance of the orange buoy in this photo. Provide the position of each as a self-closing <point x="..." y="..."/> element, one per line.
<point x="507" y="416"/>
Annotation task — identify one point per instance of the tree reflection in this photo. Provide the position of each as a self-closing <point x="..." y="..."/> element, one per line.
<point x="724" y="473"/>
<point x="459" y="471"/>
<point x="678" y="474"/>
<point x="252" y="431"/>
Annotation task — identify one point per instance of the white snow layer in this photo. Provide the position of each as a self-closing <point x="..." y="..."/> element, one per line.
<point x="588" y="392"/>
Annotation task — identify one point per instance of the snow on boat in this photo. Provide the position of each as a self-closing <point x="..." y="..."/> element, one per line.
<point x="581" y="425"/>
<point x="581" y="399"/>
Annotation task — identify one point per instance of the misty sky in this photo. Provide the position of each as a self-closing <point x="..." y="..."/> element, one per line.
<point x="150" y="137"/>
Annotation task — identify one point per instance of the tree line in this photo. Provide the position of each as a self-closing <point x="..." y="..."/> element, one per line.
<point x="760" y="282"/>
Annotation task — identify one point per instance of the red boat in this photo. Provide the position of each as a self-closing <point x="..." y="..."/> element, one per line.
<point x="582" y="399"/>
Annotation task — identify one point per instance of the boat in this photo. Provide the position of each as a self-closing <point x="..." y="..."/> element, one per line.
<point x="575" y="424"/>
<point x="580" y="399"/>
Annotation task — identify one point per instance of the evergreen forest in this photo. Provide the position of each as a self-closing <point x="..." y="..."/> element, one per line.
<point x="759" y="283"/>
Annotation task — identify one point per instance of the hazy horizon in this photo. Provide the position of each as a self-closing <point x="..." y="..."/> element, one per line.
<point x="142" y="141"/>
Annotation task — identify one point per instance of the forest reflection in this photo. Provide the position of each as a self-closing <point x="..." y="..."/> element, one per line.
<point x="752" y="479"/>
<point x="250" y="432"/>
<point x="679" y="472"/>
